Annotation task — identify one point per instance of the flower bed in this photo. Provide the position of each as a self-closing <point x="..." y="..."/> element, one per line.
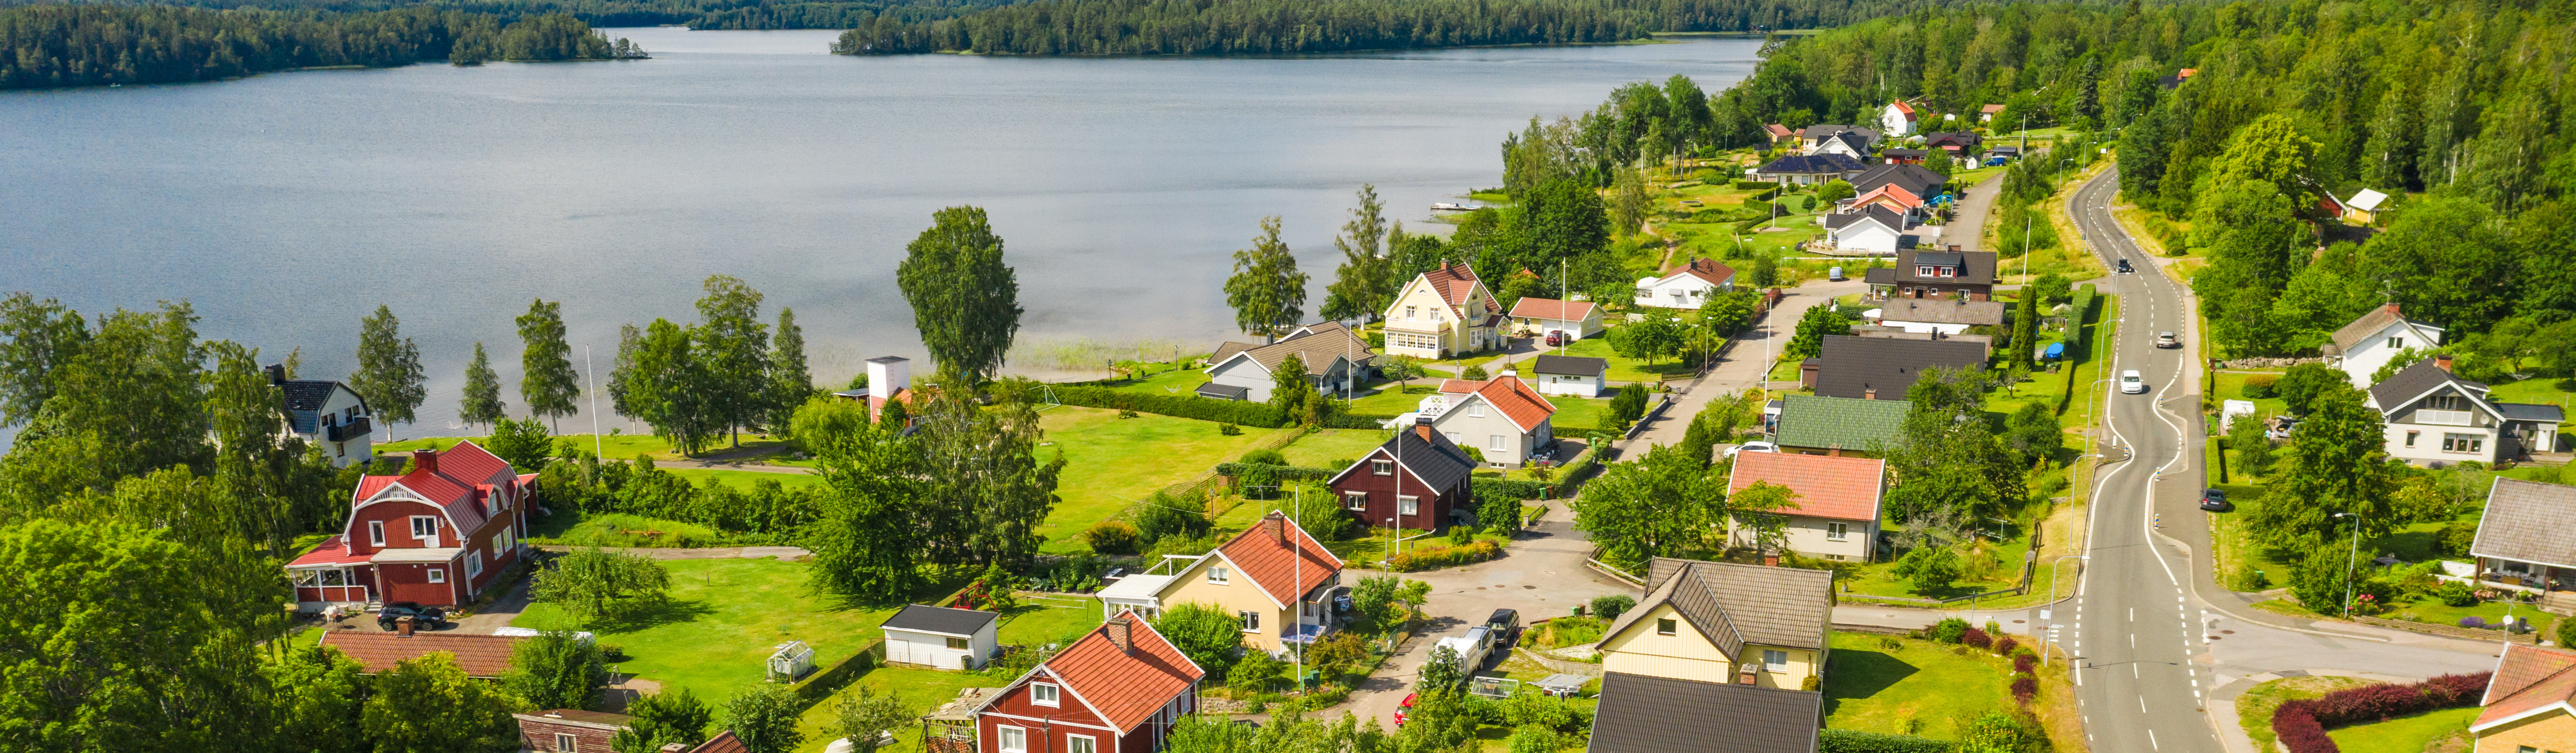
<point x="1434" y="557"/>
<point x="2301" y="725"/>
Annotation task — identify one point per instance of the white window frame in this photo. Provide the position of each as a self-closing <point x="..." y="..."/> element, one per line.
<point x="1382" y="467"/>
<point x="1046" y="694"/>
<point x="1217" y="575"/>
<point x="1476" y="409"/>
<point x="1355" y="500"/>
<point x="1081" y="743"/>
<point x="1251" y="620"/>
<point x="565" y="742"/>
<point x="1406" y="504"/>
<point x="1768" y="655"/>
<point x="2464" y="443"/>
<point x="473" y="564"/>
<point x="438" y="575"/>
<point x="376" y="532"/>
<point x="1837" y="531"/>
<point x="1002" y="738"/>
<point x="432" y="537"/>
<point x="1453" y="436"/>
<point x="2396" y="343"/>
<point x="1500" y="443"/>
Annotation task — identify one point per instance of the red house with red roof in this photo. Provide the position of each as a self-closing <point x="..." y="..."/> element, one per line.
<point x="437" y="535"/>
<point x="1119" y="688"/>
<point x="1418" y="480"/>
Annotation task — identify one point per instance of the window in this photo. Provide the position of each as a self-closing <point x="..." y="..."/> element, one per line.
<point x="1500" y="443"/>
<point x="566" y="743"/>
<point x="1923" y="271"/>
<point x="1645" y="292"/>
<point x="2410" y="438"/>
<point x="1407" y="506"/>
<point x="1080" y="744"/>
<point x="2446" y="402"/>
<point x="1251" y="621"/>
<point x="1775" y="661"/>
<point x="1476" y="409"/>
<point x="1411" y="312"/>
<point x="2463" y="443"/>
<point x="424" y="527"/>
<point x="958" y="644"/>
<point x="1382" y="467"/>
<point x="1043" y="694"/>
<point x="1355" y="500"/>
<point x="376" y="532"/>
<point x="2396" y="343"/>
<point x="473" y="564"/>
<point x="1014" y="739"/>
<point x="1454" y="438"/>
<point x="438" y="575"/>
<point x="1217" y="575"/>
<point x="308" y="578"/>
<point x="1667" y="626"/>
<point x="1837" y="531"/>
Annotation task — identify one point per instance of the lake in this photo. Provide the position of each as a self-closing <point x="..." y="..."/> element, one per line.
<point x="287" y="206"/>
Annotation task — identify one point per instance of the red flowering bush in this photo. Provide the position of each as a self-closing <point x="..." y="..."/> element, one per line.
<point x="2301" y="725"/>
<point x="1977" y="638"/>
<point x="2023" y="663"/>
<point x="2298" y="730"/>
<point x="2004" y="646"/>
<point x="2023" y="687"/>
<point x="2368" y="703"/>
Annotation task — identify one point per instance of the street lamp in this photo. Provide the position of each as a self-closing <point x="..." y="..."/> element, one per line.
<point x="2349" y="560"/>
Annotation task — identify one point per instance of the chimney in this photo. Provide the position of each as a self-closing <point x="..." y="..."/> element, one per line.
<point x="2392" y="307"/>
<point x="1834" y="451"/>
<point x="1746" y="674"/>
<point x="1770" y="559"/>
<point x="402" y="626"/>
<point x="277" y="373"/>
<point x="2442" y="362"/>
<point x="1122" y="633"/>
<point x="426" y="460"/>
<point x="1275" y="526"/>
<point x="1513" y="373"/>
<point x="1422" y="427"/>
<point x="1869" y="394"/>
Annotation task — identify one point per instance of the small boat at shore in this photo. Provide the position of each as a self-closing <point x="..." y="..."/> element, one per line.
<point x="1443" y="206"/>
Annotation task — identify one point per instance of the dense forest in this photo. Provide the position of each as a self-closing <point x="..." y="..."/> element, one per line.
<point x="696" y="14"/>
<point x="1269" y="27"/>
<point x="93" y="45"/>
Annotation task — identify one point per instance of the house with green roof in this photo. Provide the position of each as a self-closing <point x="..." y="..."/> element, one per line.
<point x="1838" y="425"/>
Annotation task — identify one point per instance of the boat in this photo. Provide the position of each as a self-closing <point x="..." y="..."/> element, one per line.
<point x="1443" y="206"/>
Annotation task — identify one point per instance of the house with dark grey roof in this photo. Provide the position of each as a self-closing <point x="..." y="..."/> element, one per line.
<point x="1880" y="368"/>
<point x="2371" y="340"/>
<point x="1719" y="622"/>
<point x="1915" y="179"/>
<point x="326" y="414"/>
<point x="1935" y="274"/>
<point x="1570" y="375"/>
<point x="2527" y="537"/>
<point x="2432" y="417"/>
<point x="1808" y="169"/>
<point x="1648" y="714"/>
<point x="1813" y="135"/>
<point x="942" y="637"/>
<point x="1873" y="230"/>
<point x="1333" y="358"/>
<point x="1418" y="479"/>
<point x="1845" y="143"/>
<point x="1815" y="425"/>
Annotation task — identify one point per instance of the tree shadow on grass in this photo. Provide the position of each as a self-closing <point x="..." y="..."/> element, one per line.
<point x="1862" y="673"/>
<point x="651" y="614"/>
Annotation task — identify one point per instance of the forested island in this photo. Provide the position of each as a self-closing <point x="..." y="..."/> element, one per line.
<point x="94" y="45"/>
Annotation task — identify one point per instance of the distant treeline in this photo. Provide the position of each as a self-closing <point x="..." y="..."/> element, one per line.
<point x="46" y="46"/>
<point x="1271" y="27"/>
<point x="696" y="14"/>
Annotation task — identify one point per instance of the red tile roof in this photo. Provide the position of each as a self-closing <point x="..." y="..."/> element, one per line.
<point x="1713" y="272"/>
<point x="1126" y="688"/>
<point x="480" y="655"/>
<point x="1262" y="556"/>
<point x="333" y="551"/>
<point x="1550" y="308"/>
<point x="2528" y="678"/>
<point x="1991" y="109"/>
<point x="1779" y="131"/>
<point x="1460" y="386"/>
<point x="1904" y="198"/>
<point x="725" y="742"/>
<point x="1454" y="282"/>
<point x="1518" y="401"/>
<point x="1841" y="488"/>
<point x="1907" y="109"/>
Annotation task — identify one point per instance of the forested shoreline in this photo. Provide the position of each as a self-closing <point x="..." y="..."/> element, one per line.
<point x="50" y="46"/>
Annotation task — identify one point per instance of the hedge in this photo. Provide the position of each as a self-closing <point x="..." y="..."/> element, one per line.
<point x="2301" y="725"/>
<point x="1853" y="741"/>
<point x="2076" y="355"/>
<point x="1431" y="557"/>
<point x="1489" y="488"/>
<point x="1280" y="472"/>
<point x="1753" y="185"/>
<point x="1572" y="472"/>
<point x="1263" y="415"/>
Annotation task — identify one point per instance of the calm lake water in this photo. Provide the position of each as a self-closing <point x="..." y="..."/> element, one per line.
<point x="287" y="206"/>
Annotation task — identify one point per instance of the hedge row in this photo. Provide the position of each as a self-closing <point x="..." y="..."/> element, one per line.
<point x="1503" y="488"/>
<point x="2301" y="725"/>
<point x="1852" y="741"/>
<point x="1280" y="472"/>
<point x="1432" y="557"/>
<point x="1261" y="415"/>
<point x="1572" y="472"/>
<point x="2076" y="354"/>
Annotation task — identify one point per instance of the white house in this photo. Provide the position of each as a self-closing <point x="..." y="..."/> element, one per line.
<point x="2360" y="348"/>
<point x="1333" y="358"/>
<point x="1569" y="375"/>
<point x="1844" y="143"/>
<point x="1874" y="230"/>
<point x="1898" y="119"/>
<point x="1504" y="418"/>
<point x="942" y="638"/>
<point x="328" y="415"/>
<point x="1685" y="286"/>
<point x="1535" y="317"/>
<point x="2432" y="416"/>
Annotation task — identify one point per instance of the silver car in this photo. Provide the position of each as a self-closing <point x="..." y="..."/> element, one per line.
<point x="2131" y="383"/>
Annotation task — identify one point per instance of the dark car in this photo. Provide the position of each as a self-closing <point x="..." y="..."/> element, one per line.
<point x="2123" y="267"/>
<point x="2213" y="500"/>
<point x="1505" y="628"/>
<point x="422" y="618"/>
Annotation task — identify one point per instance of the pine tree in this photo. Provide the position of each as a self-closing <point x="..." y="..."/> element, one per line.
<point x="389" y="375"/>
<point x="482" y="403"/>
<point x="546" y="379"/>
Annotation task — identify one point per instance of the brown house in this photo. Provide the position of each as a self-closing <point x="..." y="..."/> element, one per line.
<point x="569" y="730"/>
<point x="1936" y="274"/>
<point x="1417" y="480"/>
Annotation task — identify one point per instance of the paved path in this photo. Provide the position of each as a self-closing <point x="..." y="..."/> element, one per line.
<point x="714" y="553"/>
<point x="1739" y="367"/>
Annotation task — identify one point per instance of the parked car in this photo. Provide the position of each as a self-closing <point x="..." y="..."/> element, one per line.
<point x="1505" y="626"/>
<point x="2213" y="500"/>
<point x="2131" y="383"/>
<point x="1556" y="337"/>
<point x="1404" y="707"/>
<point x="1753" y="446"/>
<point x="2166" y="340"/>
<point x="2122" y="267"/>
<point x="422" y="618"/>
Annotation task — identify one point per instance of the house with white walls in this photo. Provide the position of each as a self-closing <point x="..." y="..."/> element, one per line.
<point x="1685" y="286"/>
<point x="1899" y="119"/>
<point x="2369" y="342"/>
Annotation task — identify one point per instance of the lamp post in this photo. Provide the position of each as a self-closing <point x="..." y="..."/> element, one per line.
<point x="2350" y="560"/>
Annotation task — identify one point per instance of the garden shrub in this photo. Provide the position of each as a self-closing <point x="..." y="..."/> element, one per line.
<point x="2248" y="579"/>
<point x="1112" y="537"/>
<point x="1264" y="457"/>
<point x="1853" y="741"/>
<point x="1263" y="415"/>
<point x="2023" y="663"/>
<point x="1434" y="557"/>
<point x="1609" y="607"/>
<point x="2261" y="386"/>
<point x="1949" y="630"/>
<point x="2567" y="631"/>
<point x="2004" y="646"/>
<point x="2456" y="536"/>
<point x="1276" y="471"/>
<point x="2300" y="725"/>
<point x="1974" y="638"/>
<point x="1229" y="430"/>
<point x="1511" y="490"/>
<point x="2024" y="686"/>
<point x="2455" y="593"/>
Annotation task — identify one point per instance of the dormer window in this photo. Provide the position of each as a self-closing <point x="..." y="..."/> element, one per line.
<point x="1923" y="271"/>
<point x="1949" y="272"/>
<point x="1043" y="694"/>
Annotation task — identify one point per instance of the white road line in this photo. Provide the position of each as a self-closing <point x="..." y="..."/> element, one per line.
<point x="2142" y="704"/>
<point x="2151" y="736"/>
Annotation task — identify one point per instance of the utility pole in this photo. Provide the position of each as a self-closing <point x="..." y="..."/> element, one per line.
<point x="590" y="376"/>
<point x="2350" y="560"/>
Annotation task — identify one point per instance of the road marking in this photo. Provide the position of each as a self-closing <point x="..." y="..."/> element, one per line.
<point x="2151" y="734"/>
<point x="2142" y="704"/>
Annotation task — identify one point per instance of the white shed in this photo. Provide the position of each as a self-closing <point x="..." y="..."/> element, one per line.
<point x="941" y="638"/>
<point x="1569" y="375"/>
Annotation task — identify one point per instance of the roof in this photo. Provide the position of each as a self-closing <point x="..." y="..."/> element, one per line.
<point x="1841" y="488"/>
<point x="1550" y="308"/>
<point x="457" y="484"/>
<point x="333" y="551"/>
<point x="1707" y="271"/>
<point x="1647" y="714"/>
<point x="479" y="655"/>
<point x="1940" y="258"/>
<point x="1778" y="131"/>
<point x="1803" y="164"/>
<point x="1853" y="366"/>
<point x="1569" y="365"/>
<point x="1821" y="130"/>
<point x="1316" y="345"/>
<point x="1515" y="398"/>
<point x="1879" y="276"/>
<point x="2367" y="201"/>
<point x="2528" y="522"/>
<point x="2420" y="379"/>
<point x="1934" y="311"/>
<point x="1978" y="267"/>
<point x="1901" y="153"/>
<point x="1991" y="109"/>
<point x="1125" y="687"/>
<point x="418" y="554"/>
<point x="1847" y="423"/>
<point x="724" y="742"/>
<point x="1454" y="283"/>
<point x="1859" y="144"/>
<point x="1961" y="138"/>
<point x="308" y="394"/>
<point x="1913" y="178"/>
<point x="1896" y="192"/>
<point x="924" y="618"/>
<point x="2371" y="324"/>
<point x="1902" y="107"/>
<point x="1224" y="391"/>
<point x="1738" y="604"/>
<point x="2542" y="412"/>
<point x="1271" y="563"/>
<point x="2527" y="679"/>
<point x="1135" y="587"/>
<point x="1884" y="216"/>
<point x="578" y="716"/>
<point x="1436" y="461"/>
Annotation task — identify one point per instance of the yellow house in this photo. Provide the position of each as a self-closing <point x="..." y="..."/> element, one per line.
<point x="2527" y="703"/>
<point x="1444" y="312"/>
<point x="1725" y="623"/>
<point x="1274" y="577"/>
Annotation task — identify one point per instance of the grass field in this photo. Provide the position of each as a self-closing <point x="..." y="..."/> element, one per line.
<point x="1333" y="448"/>
<point x="1625" y="369"/>
<point x="723" y="619"/>
<point x="2254" y="708"/>
<point x="1112" y="461"/>
<point x="2405" y="734"/>
<point x="1043" y="620"/>
<point x="1918" y="689"/>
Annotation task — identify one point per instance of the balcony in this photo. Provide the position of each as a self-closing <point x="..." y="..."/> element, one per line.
<point x="357" y="427"/>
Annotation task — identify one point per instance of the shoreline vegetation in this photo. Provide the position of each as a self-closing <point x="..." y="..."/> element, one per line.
<point x="59" y="46"/>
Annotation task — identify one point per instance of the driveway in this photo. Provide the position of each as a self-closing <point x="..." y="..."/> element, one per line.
<point x="1740" y="367"/>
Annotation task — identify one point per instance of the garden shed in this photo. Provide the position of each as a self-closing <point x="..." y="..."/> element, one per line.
<point x="941" y="638"/>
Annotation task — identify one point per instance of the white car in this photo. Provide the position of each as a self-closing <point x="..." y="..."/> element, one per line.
<point x="1752" y="447"/>
<point x="2131" y="383"/>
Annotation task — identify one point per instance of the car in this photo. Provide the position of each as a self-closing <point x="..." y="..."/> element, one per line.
<point x="1404" y="706"/>
<point x="1753" y="446"/>
<point x="2131" y="383"/>
<point x="2122" y="267"/>
<point x="1555" y="337"/>
<point x="2213" y="500"/>
<point x="422" y="618"/>
<point x="1505" y="626"/>
<point x="2166" y="340"/>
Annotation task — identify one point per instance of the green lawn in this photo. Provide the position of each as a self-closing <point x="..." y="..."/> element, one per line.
<point x="1333" y="448"/>
<point x="1395" y="398"/>
<point x="1624" y="369"/>
<point x="2405" y="734"/>
<point x="2254" y="708"/>
<point x="1923" y="685"/>
<point x="724" y="618"/>
<point x="2231" y="386"/>
<point x="1111" y="462"/>
<point x="745" y="479"/>
<point x="1166" y="382"/>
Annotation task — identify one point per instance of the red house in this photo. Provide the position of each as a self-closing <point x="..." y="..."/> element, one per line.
<point x="1120" y="688"/>
<point x="1417" y="480"/>
<point x="438" y="535"/>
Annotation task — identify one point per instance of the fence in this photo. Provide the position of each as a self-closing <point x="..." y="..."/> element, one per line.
<point x="1593" y="561"/>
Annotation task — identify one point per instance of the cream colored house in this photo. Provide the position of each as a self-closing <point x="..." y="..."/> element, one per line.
<point x="1275" y="578"/>
<point x="1444" y="312"/>
<point x="1726" y="623"/>
<point x="2530" y="703"/>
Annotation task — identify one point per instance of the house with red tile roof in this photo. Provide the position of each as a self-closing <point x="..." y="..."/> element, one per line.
<point x="438" y="535"/>
<point x="1898" y="118"/>
<point x="1533" y="316"/>
<point x="1119" y="688"/>
<point x="1444" y="312"/>
<point x="2530" y="703"/>
<point x="1504" y="418"/>
<point x="483" y="656"/>
<point x="1835" y="512"/>
<point x="1685" y="286"/>
<point x="1274" y="577"/>
<point x="1417" y="480"/>
<point x="1780" y="133"/>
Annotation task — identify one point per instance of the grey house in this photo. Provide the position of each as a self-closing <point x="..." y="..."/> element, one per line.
<point x="1335" y="360"/>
